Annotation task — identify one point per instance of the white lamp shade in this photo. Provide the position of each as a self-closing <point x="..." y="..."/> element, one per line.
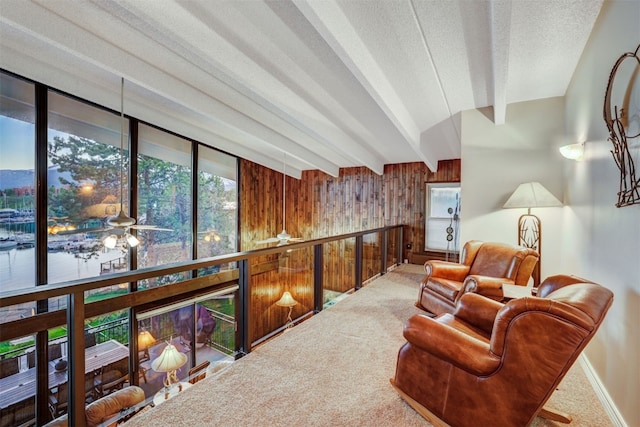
<point x="132" y="240"/>
<point x="532" y="195"/>
<point x="169" y="360"/>
<point x="110" y="241"/>
<point x="286" y="300"/>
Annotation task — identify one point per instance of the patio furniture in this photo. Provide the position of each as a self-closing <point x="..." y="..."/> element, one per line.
<point x="55" y="351"/>
<point x="9" y="367"/>
<point x="112" y="377"/>
<point x="11" y="392"/>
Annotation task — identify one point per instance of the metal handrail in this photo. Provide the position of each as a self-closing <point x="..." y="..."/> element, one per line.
<point x="78" y="310"/>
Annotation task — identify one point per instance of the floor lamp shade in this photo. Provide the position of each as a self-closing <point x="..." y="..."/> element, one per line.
<point x="531" y="195"/>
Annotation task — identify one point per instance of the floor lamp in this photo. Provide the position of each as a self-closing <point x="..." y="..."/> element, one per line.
<point x="531" y="195"/>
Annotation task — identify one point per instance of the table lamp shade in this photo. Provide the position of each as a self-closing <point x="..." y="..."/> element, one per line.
<point x="532" y="195"/>
<point x="286" y="300"/>
<point x="169" y="360"/>
<point x="145" y="340"/>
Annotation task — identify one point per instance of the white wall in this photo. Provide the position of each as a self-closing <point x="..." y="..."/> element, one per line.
<point x="602" y="242"/>
<point x="588" y="237"/>
<point x="496" y="159"/>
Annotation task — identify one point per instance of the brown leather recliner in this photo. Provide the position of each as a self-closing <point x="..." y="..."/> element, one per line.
<point x="494" y="364"/>
<point x="484" y="268"/>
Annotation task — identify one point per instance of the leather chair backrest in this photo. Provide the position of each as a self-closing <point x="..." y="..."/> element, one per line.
<point x="577" y="310"/>
<point x="469" y="251"/>
<point x="496" y="260"/>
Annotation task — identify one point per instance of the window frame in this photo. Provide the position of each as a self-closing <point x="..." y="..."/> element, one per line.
<point x="454" y="222"/>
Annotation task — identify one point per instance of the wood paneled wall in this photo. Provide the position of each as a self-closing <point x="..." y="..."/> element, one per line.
<point x="319" y="205"/>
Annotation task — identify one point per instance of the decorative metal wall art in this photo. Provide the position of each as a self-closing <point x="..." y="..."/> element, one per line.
<point x="617" y="120"/>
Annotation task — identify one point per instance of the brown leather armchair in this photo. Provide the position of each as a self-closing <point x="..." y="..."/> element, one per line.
<point x="484" y="268"/>
<point x="494" y="364"/>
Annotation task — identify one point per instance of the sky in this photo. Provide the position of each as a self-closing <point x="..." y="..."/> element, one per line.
<point x="16" y="144"/>
<point x="17" y="149"/>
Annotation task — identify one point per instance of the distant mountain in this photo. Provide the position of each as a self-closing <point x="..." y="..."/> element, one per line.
<point x="24" y="178"/>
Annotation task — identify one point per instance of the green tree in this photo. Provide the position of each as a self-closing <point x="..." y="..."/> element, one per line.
<point x="88" y="162"/>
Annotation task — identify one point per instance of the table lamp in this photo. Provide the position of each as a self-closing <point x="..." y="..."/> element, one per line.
<point x="169" y="361"/>
<point x="287" y="301"/>
<point x="531" y="195"/>
<point x="145" y="340"/>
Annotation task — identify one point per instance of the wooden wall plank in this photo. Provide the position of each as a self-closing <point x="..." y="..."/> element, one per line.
<point x="319" y="205"/>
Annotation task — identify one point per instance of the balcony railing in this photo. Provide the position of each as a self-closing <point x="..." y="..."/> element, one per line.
<point x="337" y="265"/>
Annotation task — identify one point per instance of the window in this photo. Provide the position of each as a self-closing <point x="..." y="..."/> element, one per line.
<point x="217" y="204"/>
<point x="203" y="327"/>
<point x="17" y="184"/>
<point x="83" y="189"/>
<point x="165" y="199"/>
<point x="443" y="217"/>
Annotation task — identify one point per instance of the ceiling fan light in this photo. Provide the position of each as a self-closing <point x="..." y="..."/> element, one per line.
<point x="110" y="241"/>
<point x="132" y="241"/>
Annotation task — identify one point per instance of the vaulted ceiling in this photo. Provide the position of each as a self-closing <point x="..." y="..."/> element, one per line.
<point x="332" y="83"/>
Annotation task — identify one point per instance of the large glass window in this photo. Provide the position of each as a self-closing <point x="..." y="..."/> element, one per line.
<point x="17" y="184"/>
<point x="164" y="200"/>
<point x="217" y="204"/>
<point x="443" y="217"/>
<point x="83" y="189"/>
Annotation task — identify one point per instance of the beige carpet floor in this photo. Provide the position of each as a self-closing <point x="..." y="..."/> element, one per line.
<point x="334" y="370"/>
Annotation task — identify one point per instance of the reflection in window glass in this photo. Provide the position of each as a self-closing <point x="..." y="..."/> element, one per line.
<point x="84" y="189"/>
<point x="17" y="183"/>
<point x="338" y="270"/>
<point x="156" y="330"/>
<point x="217" y="204"/>
<point x="164" y="200"/>
<point x="215" y="327"/>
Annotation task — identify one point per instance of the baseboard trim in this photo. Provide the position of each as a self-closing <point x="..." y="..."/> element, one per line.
<point x="602" y="393"/>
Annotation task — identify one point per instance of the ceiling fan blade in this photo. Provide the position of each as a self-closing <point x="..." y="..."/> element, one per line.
<point x="82" y="230"/>
<point x="150" y="227"/>
<point x="269" y="240"/>
<point x="296" y="239"/>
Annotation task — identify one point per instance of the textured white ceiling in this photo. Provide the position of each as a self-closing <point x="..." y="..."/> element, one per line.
<point x="333" y="83"/>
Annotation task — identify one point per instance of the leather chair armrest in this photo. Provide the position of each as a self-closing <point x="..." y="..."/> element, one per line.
<point x="446" y="270"/>
<point x="478" y="311"/>
<point x="450" y="345"/>
<point x="490" y="287"/>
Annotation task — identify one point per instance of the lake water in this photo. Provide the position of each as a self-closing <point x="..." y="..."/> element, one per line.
<point x="17" y="267"/>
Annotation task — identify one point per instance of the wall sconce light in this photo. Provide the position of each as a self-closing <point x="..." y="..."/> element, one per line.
<point x="573" y="151"/>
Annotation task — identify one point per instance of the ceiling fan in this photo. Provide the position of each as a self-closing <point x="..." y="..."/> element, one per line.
<point x="282" y="238"/>
<point x="120" y="224"/>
